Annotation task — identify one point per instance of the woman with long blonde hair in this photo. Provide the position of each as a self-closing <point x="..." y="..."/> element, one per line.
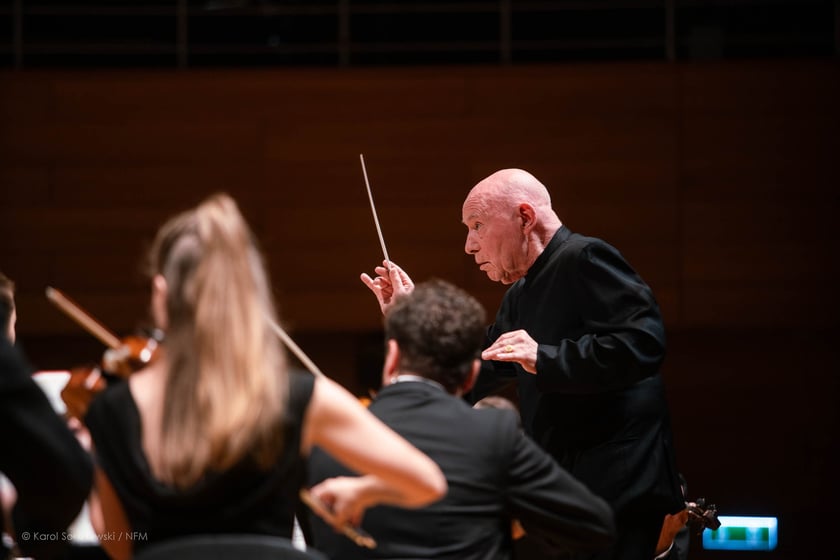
<point x="212" y="436"/>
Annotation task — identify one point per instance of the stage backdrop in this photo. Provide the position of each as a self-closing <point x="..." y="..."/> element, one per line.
<point x="718" y="181"/>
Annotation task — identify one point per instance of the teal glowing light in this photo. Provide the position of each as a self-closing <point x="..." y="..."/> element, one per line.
<point x="743" y="533"/>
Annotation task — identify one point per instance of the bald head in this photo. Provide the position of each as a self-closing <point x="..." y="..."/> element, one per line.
<point x="513" y="185"/>
<point x="510" y="221"/>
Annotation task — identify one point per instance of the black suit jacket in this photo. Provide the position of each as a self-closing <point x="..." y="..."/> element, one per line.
<point x="495" y="473"/>
<point x="49" y="469"/>
<point x="597" y="402"/>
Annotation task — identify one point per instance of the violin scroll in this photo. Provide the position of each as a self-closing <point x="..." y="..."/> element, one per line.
<point x="122" y="357"/>
<point x="133" y="354"/>
<point x="702" y="516"/>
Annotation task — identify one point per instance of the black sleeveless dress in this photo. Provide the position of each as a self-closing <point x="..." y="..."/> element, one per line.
<point x="243" y="499"/>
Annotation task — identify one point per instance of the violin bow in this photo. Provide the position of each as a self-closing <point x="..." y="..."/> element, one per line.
<point x="97" y="329"/>
<point x="373" y="210"/>
<point x="292" y="345"/>
<point x="82" y="317"/>
<point x="355" y="534"/>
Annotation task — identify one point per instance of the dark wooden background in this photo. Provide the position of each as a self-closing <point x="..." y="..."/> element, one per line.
<point x="718" y="181"/>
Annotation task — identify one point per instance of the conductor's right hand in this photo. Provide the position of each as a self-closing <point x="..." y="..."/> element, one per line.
<point x="390" y="283"/>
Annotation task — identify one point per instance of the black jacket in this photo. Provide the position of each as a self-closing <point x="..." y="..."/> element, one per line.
<point x="597" y="402"/>
<point x="495" y="473"/>
<point x="40" y="455"/>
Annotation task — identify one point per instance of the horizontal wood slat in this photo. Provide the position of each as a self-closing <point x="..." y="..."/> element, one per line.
<point x="718" y="181"/>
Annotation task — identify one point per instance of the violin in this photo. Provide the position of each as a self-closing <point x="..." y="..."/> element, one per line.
<point x="702" y="516"/>
<point x="121" y="358"/>
<point x="85" y="382"/>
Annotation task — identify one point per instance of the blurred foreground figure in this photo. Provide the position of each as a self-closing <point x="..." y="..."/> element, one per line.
<point x="212" y="436"/>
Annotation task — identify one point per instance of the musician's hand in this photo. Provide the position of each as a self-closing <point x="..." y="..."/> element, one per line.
<point x="345" y="497"/>
<point x="389" y="284"/>
<point x="514" y="346"/>
<point x="8" y="499"/>
<point x="670" y="527"/>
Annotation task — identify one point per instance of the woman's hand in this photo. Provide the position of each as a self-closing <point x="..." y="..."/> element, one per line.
<point x="345" y="498"/>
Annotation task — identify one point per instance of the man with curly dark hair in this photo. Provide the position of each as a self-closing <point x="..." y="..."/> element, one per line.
<point x="495" y="473"/>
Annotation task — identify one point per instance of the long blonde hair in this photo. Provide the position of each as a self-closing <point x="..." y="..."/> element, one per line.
<point x="226" y="388"/>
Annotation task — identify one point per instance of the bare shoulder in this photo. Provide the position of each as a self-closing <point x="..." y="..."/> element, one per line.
<point x="147" y="386"/>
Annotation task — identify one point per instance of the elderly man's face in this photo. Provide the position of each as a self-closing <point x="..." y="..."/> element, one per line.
<point x="495" y="238"/>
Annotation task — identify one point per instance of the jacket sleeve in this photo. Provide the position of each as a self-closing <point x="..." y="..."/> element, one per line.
<point x="621" y="339"/>
<point x="40" y="455"/>
<point x="550" y="503"/>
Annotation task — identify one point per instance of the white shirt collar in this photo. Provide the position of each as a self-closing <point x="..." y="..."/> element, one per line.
<point x="403" y="377"/>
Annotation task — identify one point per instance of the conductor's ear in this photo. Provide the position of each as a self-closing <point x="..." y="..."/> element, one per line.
<point x="527" y="217"/>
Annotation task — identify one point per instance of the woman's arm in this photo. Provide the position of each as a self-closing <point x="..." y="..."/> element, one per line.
<point x="397" y="473"/>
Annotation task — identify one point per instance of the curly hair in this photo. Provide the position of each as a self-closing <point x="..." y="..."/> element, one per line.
<point x="440" y="331"/>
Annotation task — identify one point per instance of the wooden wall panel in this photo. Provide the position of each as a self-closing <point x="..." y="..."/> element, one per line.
<point x="274" y="97"/>
<point x="152" y="185"/>
<point x="575" y="91"/>
<point x="718" y="181"/>
<point x="760" y="180"/>
<point x="121" y="143"/>
<point x="698" y="173"/>
<point x="24" y="185"/>
<point x="27" y="100"/>
<point x="72" y="228"/>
